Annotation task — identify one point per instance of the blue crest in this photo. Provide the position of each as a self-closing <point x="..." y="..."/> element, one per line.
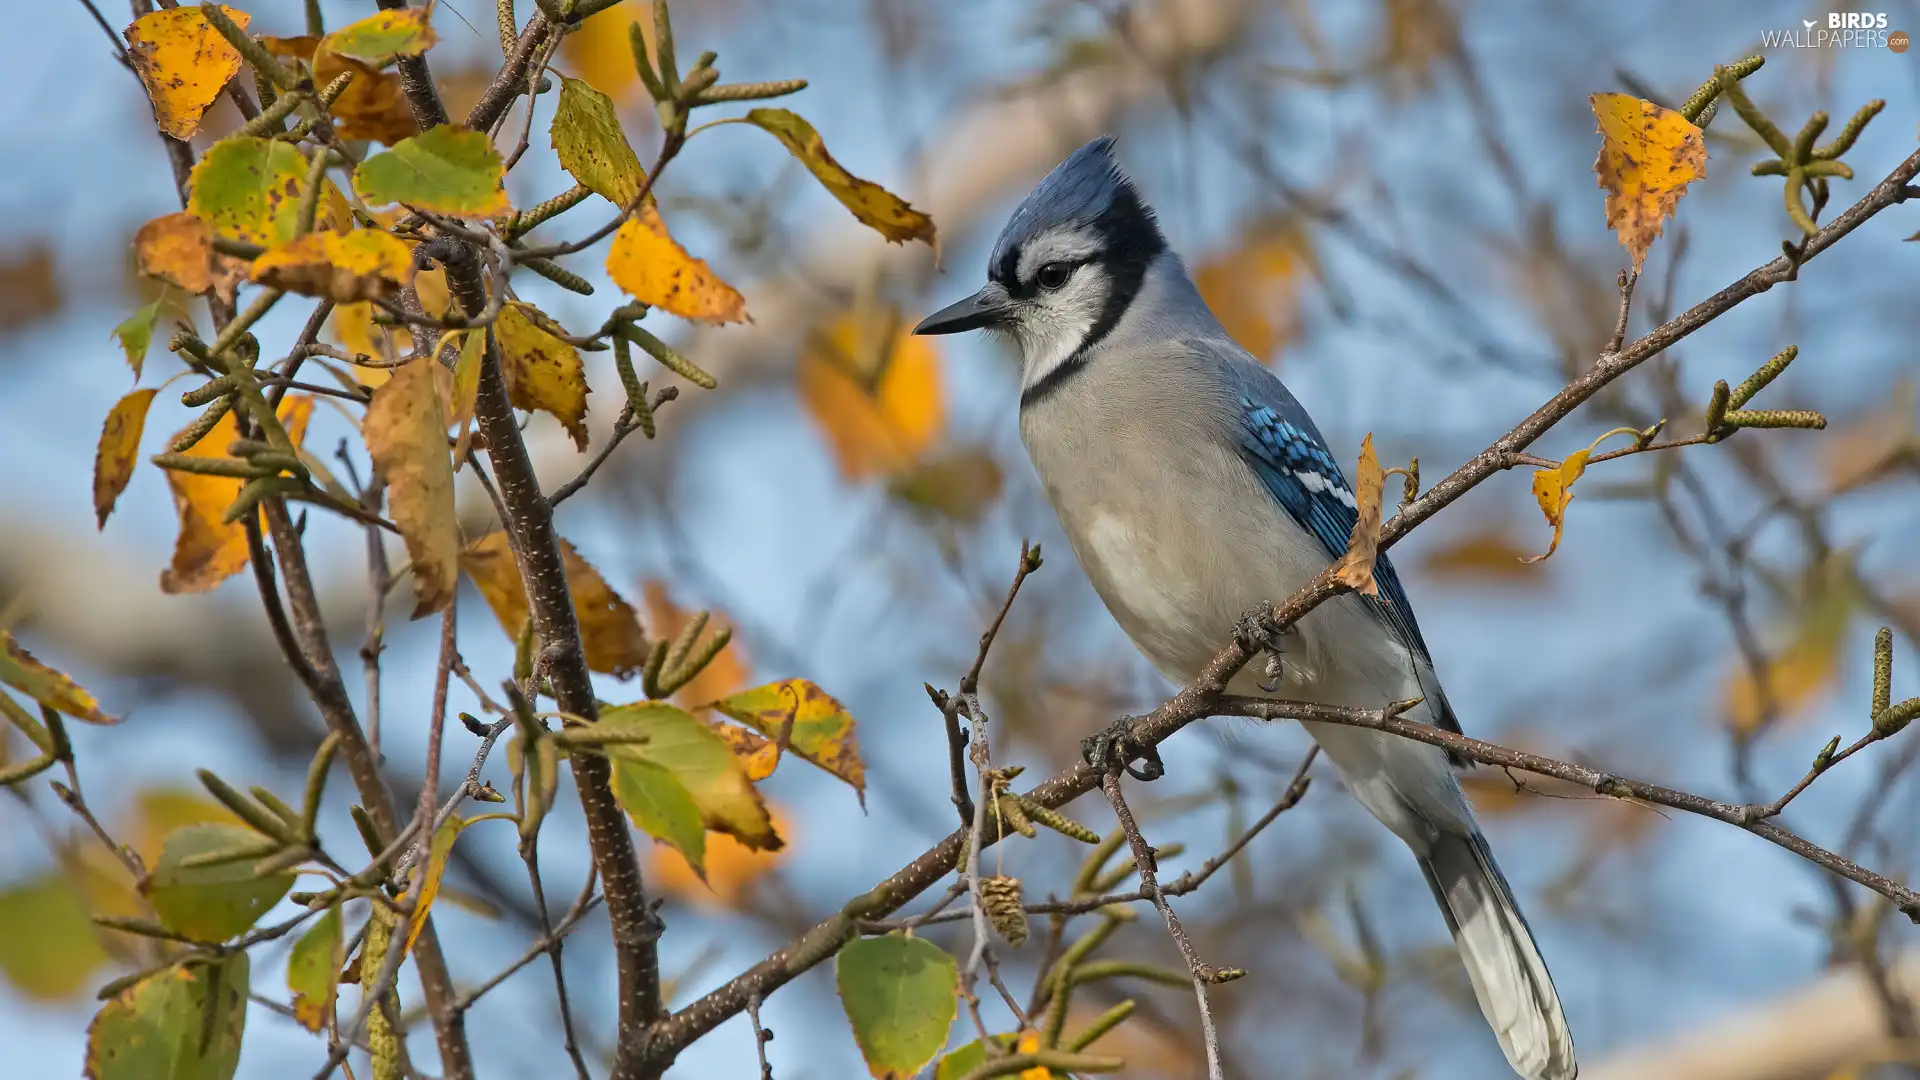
<point x="1089" y="187"/>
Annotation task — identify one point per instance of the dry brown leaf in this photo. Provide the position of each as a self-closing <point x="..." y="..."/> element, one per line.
<point x="655" y="270"/>
<point x="1482" y="554"/>
<point x="184" y="63"/>
<point x="1254" y="290"/>
<point x="1648" y="156"/>
<point x="406" y="432"/>
<point x="615" y="643"/>
<point x="1363" y="545"/>
<point x="209" y="550"/>
<point x="118" y="450"/>
<point x="177" y="248"/>
<point x="543" y="373"/>
<point x="874" y="389"/>
<point x="1869" y="448"/>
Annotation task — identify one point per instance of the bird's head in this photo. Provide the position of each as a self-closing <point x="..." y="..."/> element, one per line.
<point x="1064" y="270"/>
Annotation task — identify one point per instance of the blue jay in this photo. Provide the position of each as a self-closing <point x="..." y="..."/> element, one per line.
<point x="1193" y="487"/>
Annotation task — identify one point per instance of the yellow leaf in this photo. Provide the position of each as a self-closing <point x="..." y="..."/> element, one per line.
<point x="1029" y="1043"/>
<point x="56" y="691"/>
<point x="437" y="854"/>
<point x="1874" y="446"/>
<point x="731" y="867"/>
<point x="406" y="431"/>
<point x="466" y="392"/>
<point x="184" y="63"/>
<point x="1648" y="156"/>
<point x="159" y="812"/>
<point x="598" y="50"/>
<point x="874" y="389"/>
<point x="385" y="35"/>
<point x="113" y="460"/>
<point x="646" y="262"/>
<point x="758" y="755"/>
<point x="1254" y="290"/>
<point x="430" y="285"/>
<point x="821" y="728"/>
<point x="1363" y="545"/>
<point x="210" y="550"/>
<point x="1806" y="669"/>
<point x="727" y="671"/>
<point x="176" y="248"/>
<point x="355" y="330"/>
<point x="347" y="268"/>
<point x="374" y="104"/>
<point x="543" y="372"/>
<point x="875" y="206"/>
<point x="1482" y="554"/>
<point x="1553" y="488"/>
<point x="615" y="643"/>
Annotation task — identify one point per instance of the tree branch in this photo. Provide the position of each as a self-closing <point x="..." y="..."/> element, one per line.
<point x="1753" y="817"/>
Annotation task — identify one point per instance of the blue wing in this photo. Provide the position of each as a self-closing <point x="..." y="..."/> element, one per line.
<point x="1291" y="459"/>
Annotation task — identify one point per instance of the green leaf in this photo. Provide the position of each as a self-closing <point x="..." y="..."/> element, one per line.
<point x="592" y="148"/>
<point x="181" y="1023"/>
<point x="956" y="1065"/>
<point x="699" y="759"/>
<point x="901" y="995"/>
<point x="21" y="671"/>
<point x="136" y="333"/>
<point x="822" y="727"/>
<point x="211" y="903"/>
<point x="447" y="169"/>
<point x="313" y="970"/>
<point x="249" y="189"/>
<point x="959" y="1063"/>
<point x="875" y="206"/>
<point x="662" y="807"/>
<point x="53" y="960"/>
<point x="379" y="38"/>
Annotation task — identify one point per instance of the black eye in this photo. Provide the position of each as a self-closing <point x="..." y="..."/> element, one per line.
<point x="1053" y="275"/>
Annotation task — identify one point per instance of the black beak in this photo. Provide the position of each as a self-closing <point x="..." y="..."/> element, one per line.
<point x="984" y="308"/>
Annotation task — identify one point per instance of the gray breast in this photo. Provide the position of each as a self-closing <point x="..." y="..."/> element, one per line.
<point x="1177" y="534"/>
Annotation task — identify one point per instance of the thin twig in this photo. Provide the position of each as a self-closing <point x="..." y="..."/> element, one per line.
<point x="761" y="1036"/>
<point x="1203" y="975"/>
<point x="1749" y="816"/>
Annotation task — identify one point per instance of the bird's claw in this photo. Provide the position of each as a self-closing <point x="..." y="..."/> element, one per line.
<point x="1256" y="633"/>
<point x="1116" y="747"/>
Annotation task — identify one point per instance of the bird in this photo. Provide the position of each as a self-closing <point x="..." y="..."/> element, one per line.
<point x="1193" y="487"/>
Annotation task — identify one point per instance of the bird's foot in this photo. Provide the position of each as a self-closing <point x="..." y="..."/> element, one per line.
<point x="1116" y="747"/>
<point x="1257" y="633"/>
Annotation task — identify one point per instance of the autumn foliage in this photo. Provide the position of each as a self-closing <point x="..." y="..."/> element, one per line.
<point x="360" y="250"/>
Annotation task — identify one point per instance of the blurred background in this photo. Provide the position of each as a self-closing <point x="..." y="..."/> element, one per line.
<point x="1393" y="202"/>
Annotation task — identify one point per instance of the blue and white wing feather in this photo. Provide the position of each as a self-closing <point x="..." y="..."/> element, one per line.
<point x="1287" y="452"/>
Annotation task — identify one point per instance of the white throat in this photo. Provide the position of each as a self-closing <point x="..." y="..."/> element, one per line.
<point x="1052" y="330"/>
